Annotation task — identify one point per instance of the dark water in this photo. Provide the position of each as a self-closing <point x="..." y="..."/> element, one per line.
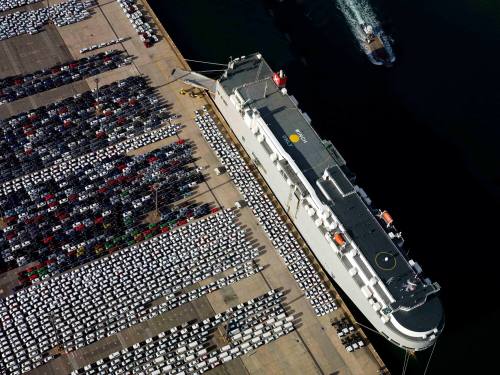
<point x="422" y="136"/>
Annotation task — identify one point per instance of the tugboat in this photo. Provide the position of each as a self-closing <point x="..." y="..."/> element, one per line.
<point x="366" y="28"/>
<point x="376" y="46"/>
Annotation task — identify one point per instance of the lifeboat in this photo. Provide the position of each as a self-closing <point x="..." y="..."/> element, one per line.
<point x="339" y="239"/>
<point x="384" y="215"/>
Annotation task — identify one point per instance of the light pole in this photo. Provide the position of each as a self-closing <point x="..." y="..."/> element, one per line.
<point x="97" y="99"/>
<point x="156" y="186"/>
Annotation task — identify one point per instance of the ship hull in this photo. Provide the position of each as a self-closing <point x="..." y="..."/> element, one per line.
<point x="297" y="212"/>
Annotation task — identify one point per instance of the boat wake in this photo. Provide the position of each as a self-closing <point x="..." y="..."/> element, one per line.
<point x="358" y="14"/>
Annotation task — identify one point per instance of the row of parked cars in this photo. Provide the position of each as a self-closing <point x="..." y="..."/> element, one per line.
<point x="343" y="326"/>
<point x="95" y="210"/>
<point x="139" y="21"/>
<point x="17" y="87"/>
<point x="66" y="167"/>
<point x="188" y="348"/>
<point x="11" y="4"/>
<point x="347" y="332"/>
<point x="78" y="125"/>
<point x="353" y="342"/>
<point x="299" y="265"/>
<point x="31" y="22"/>
<point x="101" y="298"/>
<point x="102" y="45"/>
<point x="134" y="306"/>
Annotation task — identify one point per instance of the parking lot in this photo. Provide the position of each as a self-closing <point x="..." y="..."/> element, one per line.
<point x="313" y="346"/>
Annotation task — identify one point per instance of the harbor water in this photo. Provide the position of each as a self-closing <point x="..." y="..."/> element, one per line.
<point x="422" y="136"/>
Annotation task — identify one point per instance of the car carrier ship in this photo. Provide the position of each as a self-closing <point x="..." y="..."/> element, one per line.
<point x="357" y="244"/>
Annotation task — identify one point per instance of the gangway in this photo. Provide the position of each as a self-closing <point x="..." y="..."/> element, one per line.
<point x="194" y="79"/>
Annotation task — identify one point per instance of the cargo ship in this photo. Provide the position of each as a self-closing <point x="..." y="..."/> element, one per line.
<point x="366" y="28"/>
<point x="356" y="243"/>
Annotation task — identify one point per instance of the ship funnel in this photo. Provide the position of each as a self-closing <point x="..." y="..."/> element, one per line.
<point x="280" y="79"/>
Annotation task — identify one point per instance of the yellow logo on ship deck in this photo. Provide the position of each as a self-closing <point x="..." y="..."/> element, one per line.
<point x="294" y="138"/>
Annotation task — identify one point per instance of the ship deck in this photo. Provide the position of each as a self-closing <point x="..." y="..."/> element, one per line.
<point x="314" y="347"/>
